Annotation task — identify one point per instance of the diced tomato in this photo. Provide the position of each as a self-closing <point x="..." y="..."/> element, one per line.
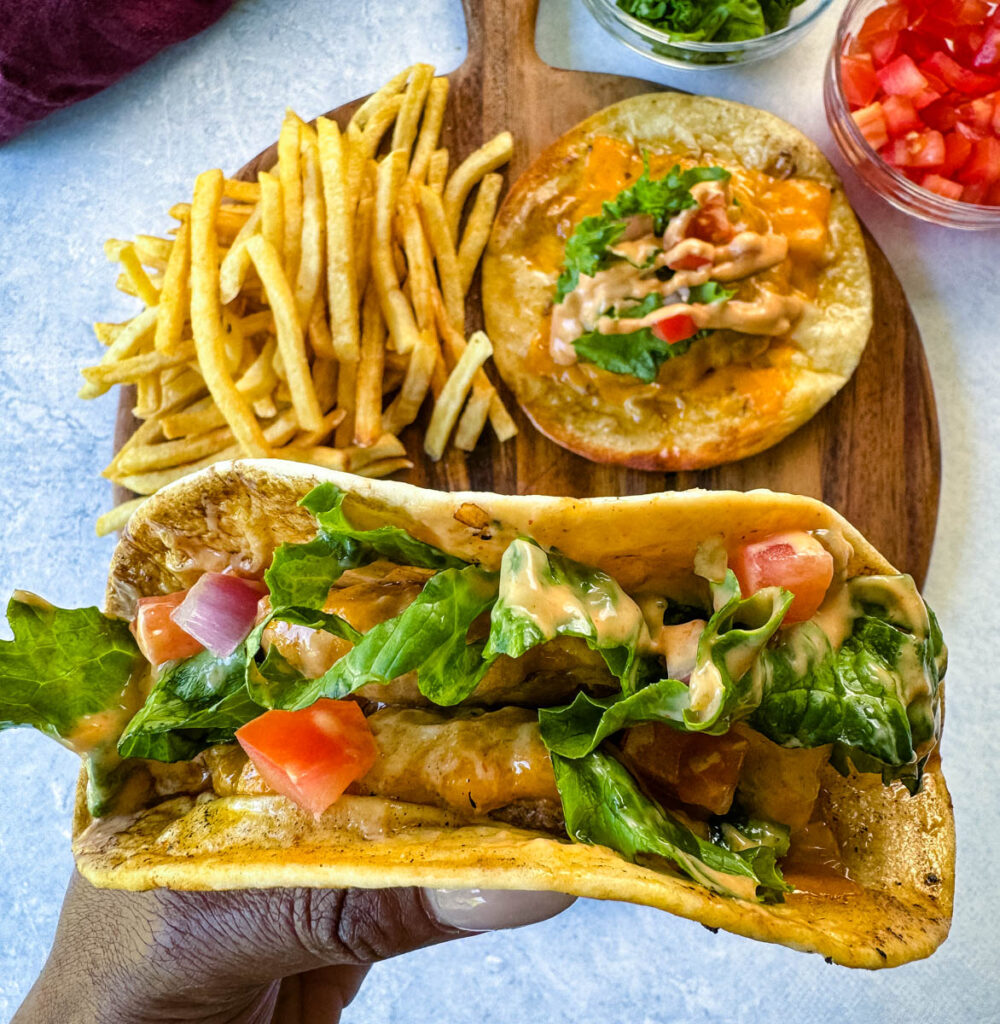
<point x="926" y="149"/>
<point x="978" y="113"/>
<point x="984" y="165"/>
<point x="793" y="560"/>
<point x="901" y="77"/>
<point x="891" y="18"/>
<point x="711" y="223"/>
<point x="896" y="153"/>
<point x="942" y="186"/>
<point x="970" y="83"/>
<point x="160" y="638"/>
<point x="871" y="123"/>
<point x="672" y="329"/>
<point x="901" y="116"/>
<point x="858" y="76"/>
<point x="917" y="44"/>
<point x="690" y="261"/>
<point x="988" y="54"/>
<point x="992" y="197"/>
<point x="957" y="150"/>
<point x="311" y="756"/>
<point x="883" y="47"/>
<point x="940" y="115"/>
<point x="969" y="132"/>
<point x="975" y="193"/>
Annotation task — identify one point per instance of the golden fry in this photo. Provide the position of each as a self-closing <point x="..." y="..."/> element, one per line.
<point x="385" y="447"/>
<point x="379" y="98"/>
<point x="165" y="454"/>
<point x="106" y="333"/>
<point x="368" y="400"/>
<point x="347" y="380"/>
<point x="241" y="191"/>
<point x="371" y="138"/>
<point x="418" y="258"/>
<point x="147" y="396"/>
<point x="477" y="228"/>
<point x="132" y="369"/>
<point x="172" y="314"/>
<point x="143" y="286"/>
<point x="397" y="311"/>
<point x="316" y="455"/>
<point x="324" y="373"/>
<point x="125" y="284"/>
<point x="291" y="343"/>
<point x="236" y="262"/>
<point x="310" y="438"/>
<point x="430" y="129"/>
<point x="318" y="332"/>
<point x="309" y="281"/>
<point x="488" y="157"/>
<point x="115" y="520"/>
<point x="153" y="251"/>
<point x="186" y="387"/>
<point x="444" y="255"/>
<point x="272" y="210"/>
<point x="384" y="467"/>
<point x="405" y="130"/>
<point x="473" y="419"/>
<point x="206" y="317"/>
<point x="452" y="398"/>
<point x="341" y="275"/>
<point x="291" y="190"/>
<point x="405" y="406"/>
<point x="437" y="170"/>
<point x="364" y="226"/>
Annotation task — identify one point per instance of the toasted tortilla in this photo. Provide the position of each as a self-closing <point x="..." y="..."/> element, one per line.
<point x="697" y="413"/>
<point x="900" y="849"/>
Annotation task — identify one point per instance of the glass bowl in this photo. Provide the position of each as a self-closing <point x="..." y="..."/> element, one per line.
<point x="690" y="56"/>
<point x="894" y="187"/>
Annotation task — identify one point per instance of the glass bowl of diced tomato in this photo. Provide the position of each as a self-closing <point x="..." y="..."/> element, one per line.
<point x="912" y="94"/>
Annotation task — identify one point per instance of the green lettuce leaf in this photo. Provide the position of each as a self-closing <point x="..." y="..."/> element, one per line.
<point x="603" y="805"/>
<point x="195" y="704"/>
<point x="429" y="637"/>
<point x="301" y="575"/>
<point x="777" y="13"/>
<point x="587" y="249"/>
<point x="639" y="353"/>
<point x="710" y="291"/>
<point x="703" y="20"/>
<point x="544" y="595"/>
<point x="62" y="666"/>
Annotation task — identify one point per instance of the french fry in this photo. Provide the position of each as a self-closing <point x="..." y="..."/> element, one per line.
<point x="452" y="398"/>
<point x="290" y="177"/>
<point x="186" y="387"/>
<point x="228" y="219"/>
<point x="316" y="455"/>
<point x="241" y="191"/>
<point x="313" y="243"/>
<point x="132" y="369"/>
<point x="488" y="157"/>
<point x="165" y="454"/>
<point x="257" y="323"/>
<point x="501" y="420"/>
<point x="378" y="98"/>
<point x="153" y="251"/>
<point x="115" y="520"/>
<point x="405" y="406"/>
<point x="418" y="258"/>
<point x="341" y="275"/>
<point x="318" y="332"/>
<point x="430" y="129"/>
<point x="143" y="286"/>
<point x="206" y="317"/>
<point x="172" y="313"/>
<point x="385" y="447"/>
<point x="368" y="394"/>
<point x="405" y="130"/>
<point x="381" y="121"/>
<point x="236" y="262"/>
<point x="437" y="170"/>
<point x="291" y="342"/>
<point x="347" y="382"/>
<point x="272" y="210"/>
<point x="477" y="228"/>
<point x="397" y="311"/>
<point x="444" y="255"/>
<point x="473" y="419"/>
<point x="364" y="226"/>
<point x="125" y="284"/>
<point x="147" y="396"/>
<point x="384" y="467"/>
<point x="324" y="373"/>
<point x="265" y="407"/>
<point x="106" y="332"/>
<point x="311" y="438"/>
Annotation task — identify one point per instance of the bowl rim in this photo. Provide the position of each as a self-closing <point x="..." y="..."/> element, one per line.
<point x="910" y="189"/>
<point x="657" y="35"/>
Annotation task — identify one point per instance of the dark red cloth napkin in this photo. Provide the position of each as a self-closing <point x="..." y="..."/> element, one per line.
<point x="55" y="52"/>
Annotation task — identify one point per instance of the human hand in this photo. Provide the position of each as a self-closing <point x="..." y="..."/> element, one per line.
<point x="288" y="956"/>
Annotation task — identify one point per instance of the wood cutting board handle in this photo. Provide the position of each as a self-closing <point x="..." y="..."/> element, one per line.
<point x="501" y="36"/>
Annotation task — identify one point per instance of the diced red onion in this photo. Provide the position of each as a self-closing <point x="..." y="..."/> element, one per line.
<point x="219" y="611"/>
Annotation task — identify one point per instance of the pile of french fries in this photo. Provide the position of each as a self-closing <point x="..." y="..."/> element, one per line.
<point x="306" y="315"/>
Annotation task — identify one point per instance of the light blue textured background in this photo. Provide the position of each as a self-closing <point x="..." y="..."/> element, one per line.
<point x="112" y="165"/>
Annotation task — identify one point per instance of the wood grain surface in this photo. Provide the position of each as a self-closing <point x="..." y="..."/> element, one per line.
<point x="873" y="453"/>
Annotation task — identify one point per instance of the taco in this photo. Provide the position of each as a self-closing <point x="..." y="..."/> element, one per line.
<point x="676" y="282"/>
<point x="366" y="683"/>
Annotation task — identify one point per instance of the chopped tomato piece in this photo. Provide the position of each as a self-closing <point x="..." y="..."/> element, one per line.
<point x="900" y="115"/>
<point x="942" y="186"/>
<point x="901" y="77"/>
<point x="975" y="193"/>
<point x="952" y="73"/>
<point x="917" y="44"/>
<point x="957" y="150"/>
<point x="793" y="560"/>
<point x="884" y="47"/>
<point x="311" y="756"/>
<point x="940" y="115"/>
<point x="992" y="197"/>
<point x="711" y="224"/>
<point x="690" y="261"/>
<point x="891" y="18"/>
<point x="984" y="166"/>
<point x="672" y="329"/>
<point x="988" y="54"/>
<point x="926" y="149"/>
<point x="858" y="76"/>
<point x="160" y="638"/>
<point x="871" y="123"/>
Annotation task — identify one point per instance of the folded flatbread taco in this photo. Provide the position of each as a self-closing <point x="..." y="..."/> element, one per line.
<point x="726" y="705"/>
<point x="676" y="282"/>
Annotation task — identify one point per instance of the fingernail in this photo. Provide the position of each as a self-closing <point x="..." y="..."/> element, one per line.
<point x="485" y="910"/>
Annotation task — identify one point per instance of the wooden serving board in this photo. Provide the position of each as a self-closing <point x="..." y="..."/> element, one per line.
<point x="873" y="453"/>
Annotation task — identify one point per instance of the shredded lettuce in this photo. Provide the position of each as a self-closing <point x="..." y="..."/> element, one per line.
<point x="603" y="805"/>
<point x="712" y="21"/>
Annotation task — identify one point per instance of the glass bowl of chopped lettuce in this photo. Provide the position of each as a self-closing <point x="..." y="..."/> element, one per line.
<point x="689" y="34"/>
